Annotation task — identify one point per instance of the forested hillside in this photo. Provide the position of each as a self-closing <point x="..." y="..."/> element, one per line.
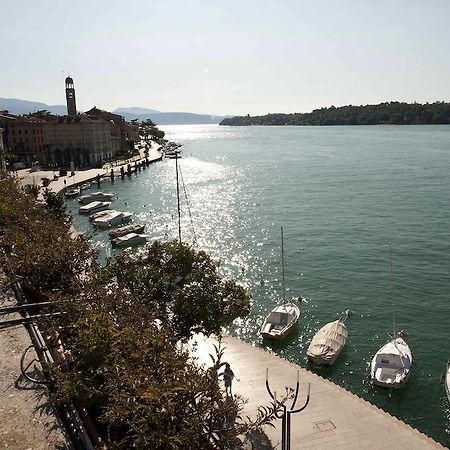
<point x="392" y="113"/>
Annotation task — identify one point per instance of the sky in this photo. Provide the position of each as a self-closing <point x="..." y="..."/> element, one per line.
<point x="226" y="57"/>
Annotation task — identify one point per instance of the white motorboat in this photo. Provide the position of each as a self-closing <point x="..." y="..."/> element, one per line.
<point x="72" y="192"/>
<point x="280" y="322"/>
<point x="113" y="219"/>
<point x="93" y="207"/>
<point x="327" y="343"/>
<point x="100" y="214"/>
<point x="96" y="196"/>
<point x="391" y="365"/>
<point x="446" y="379"/>
<point x="122" y="231"/>
<point x="129" y="240"/>
<point x="282" y="319"/>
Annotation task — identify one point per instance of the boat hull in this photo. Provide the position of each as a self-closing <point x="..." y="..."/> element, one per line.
<point x="447" y="381"/>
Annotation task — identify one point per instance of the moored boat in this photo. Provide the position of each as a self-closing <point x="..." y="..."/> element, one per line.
<point x="93" y="207"/>
<point x="280" y="322"/>
<point x="96" y="196"/>
<point x="327" y="343"/>
<point x="100" y="214"/>
<point x="72" y="192"/>
<point x="391" y="365"/>
<point x="113" y="219"/>
<point x="137" y="228"/>
<point x="282" y="319"/>
<point x="129" y="240"/>
<point x="447" y="380"/>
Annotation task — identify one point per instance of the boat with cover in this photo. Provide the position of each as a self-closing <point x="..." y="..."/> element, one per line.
<point x="137" y="228"/>
<point x="327" y="343"/>
<point x="446" y="379"/>
<point x="100" y="214"/>
<point x="113" y="219"/>
<point x="93" y="207"/>
<point x="282" y="319"/>
<point x="96" y="196"/>
<point x="129" y="240"/>
<point x="392" y="363"/>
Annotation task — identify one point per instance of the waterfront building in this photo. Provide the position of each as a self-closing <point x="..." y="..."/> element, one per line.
<point x="25" y="136"/>
<point x="120" y="129"/>
<point x="86" y="140"/>
<point x="80" y="139"/>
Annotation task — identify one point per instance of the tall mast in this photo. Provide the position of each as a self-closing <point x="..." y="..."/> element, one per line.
<point x="392" y="292"/>
<point x="178" y="199"/>
<point x="282" y="264"/>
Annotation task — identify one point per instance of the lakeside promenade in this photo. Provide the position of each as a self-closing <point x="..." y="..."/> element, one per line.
<point x="26" y="177"/>
<point x="334" y="418"/>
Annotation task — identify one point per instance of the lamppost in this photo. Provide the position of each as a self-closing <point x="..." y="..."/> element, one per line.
<point x="285" y="415"/>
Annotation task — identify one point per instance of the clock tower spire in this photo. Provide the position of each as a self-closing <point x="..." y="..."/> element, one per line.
<point x="70" y="98"/>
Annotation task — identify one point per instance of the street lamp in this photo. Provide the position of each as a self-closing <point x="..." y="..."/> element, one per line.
<point x="285" y="415"/>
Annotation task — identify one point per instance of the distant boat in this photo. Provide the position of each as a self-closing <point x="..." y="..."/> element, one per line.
<point x="392" y="363"/>
<point x="113" y="219"/>
<point x="96" y="196"/>
<point x="93" y="207"/>
<point x="282" y="319"/>
<point x="122" y="231"/>
<point x="129" y="240"/>
<point x="328" y="343"/>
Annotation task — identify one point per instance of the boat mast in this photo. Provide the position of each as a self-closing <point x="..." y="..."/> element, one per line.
<point x="282" y="265"/>
<point x="178" y="199"/>
<point x="392" y="293"/>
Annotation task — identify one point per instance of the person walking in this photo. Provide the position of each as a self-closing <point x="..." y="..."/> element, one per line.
<point x="228" y="376"/>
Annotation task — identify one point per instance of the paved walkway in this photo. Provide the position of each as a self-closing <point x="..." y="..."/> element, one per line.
<point x="27" y="421"/>
<point x="27" y="177"/>
<point x="334" y="418"/>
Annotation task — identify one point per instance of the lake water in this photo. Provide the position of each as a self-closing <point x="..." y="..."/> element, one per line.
<point x="342" y="195"/>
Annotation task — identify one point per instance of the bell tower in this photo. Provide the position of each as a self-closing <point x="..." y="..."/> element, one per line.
<point x="70" y="98"/>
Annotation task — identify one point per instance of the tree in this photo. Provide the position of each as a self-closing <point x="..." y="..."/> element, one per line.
<point x="36" y="245"/>
<point x="148" y="129"/>
<point x="183" y="286"/>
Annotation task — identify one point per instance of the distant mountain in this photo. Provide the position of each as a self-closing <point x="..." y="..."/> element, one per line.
<point x="135" y="110"/>
<point x="16" y="106"/>
<point x="171" y="118"/>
